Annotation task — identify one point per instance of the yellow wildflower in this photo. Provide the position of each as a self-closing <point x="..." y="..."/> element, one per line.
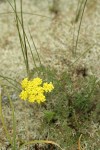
<point x="32" y="98"/>
<point x="33" y="90"/>
<point x="24" y="83"/>
<point x="40" y="98"/>
<point x="37" y="81"/>
<point x="23" y="95"/>
<point x="48" y="87"/>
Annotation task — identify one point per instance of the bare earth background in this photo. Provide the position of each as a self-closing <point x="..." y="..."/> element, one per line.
<point x="53" y="36"/>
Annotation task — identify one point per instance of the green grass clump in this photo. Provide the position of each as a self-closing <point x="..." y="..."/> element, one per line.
<point x="71" y="98"/>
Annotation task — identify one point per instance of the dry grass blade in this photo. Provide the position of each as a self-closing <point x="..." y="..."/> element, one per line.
<point x="40" y="142"/>
<point x="12" y="82"/>
<point x="24" y="39"/>
<point x="79" y="142"/>
<point x="14" y="120"/>
<point x="3" y="121"/>
<point x="26" y="13"/>
<point x="78" y="11"/>
<point x="80" y="26"/>
<point x="82" y="55"/>
<point x="35" y="48"/>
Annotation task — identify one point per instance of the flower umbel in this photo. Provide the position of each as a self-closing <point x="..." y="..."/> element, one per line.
<point x="34" y="90"/>
<point x="48" y="87"/>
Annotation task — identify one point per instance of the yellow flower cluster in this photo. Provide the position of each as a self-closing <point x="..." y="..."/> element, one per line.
<point x="34" y="90"/>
